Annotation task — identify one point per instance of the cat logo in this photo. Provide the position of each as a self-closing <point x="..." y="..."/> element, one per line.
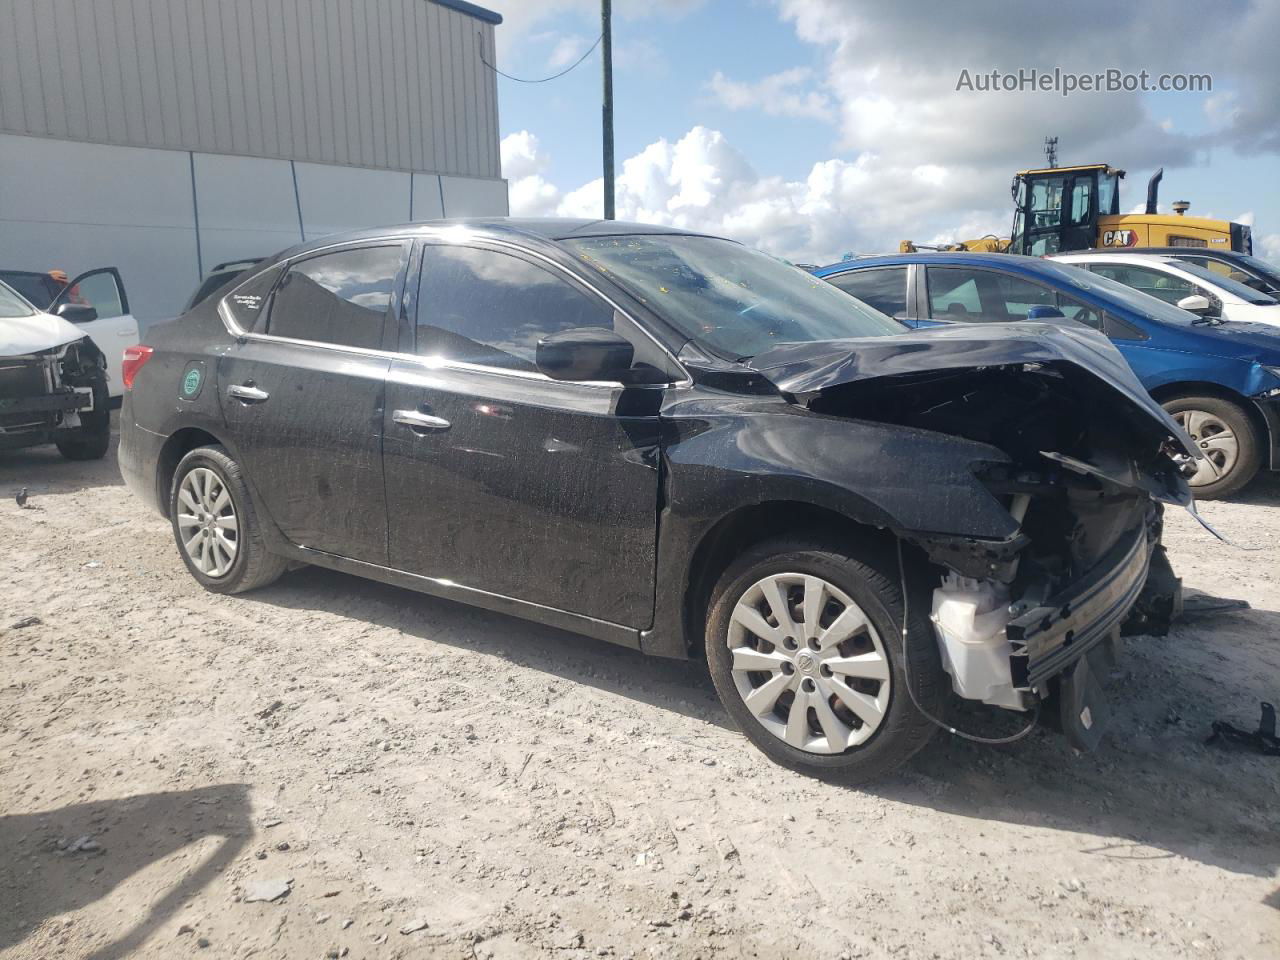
<point x="1120" y="238"/>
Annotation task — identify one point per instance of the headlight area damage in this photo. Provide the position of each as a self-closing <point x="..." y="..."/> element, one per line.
<point x="55" y="392"/>
<point x="1091" y="459"/>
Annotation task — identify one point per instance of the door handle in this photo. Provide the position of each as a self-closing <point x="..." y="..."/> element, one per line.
<point x="415" y="420"/>
<point x="247" y="393"/>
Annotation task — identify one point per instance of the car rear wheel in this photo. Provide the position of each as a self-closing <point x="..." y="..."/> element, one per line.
<point x="215" y="526"/>
<point x="1227" y="439"/>
<point x="804" y="644"/>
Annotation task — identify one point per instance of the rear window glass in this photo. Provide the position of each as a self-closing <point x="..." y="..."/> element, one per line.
<point x="247" y="302"/>
<point x="340" y="298"/>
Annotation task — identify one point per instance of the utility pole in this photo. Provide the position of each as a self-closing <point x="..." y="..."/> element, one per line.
<point x="606" y="62"/>
<point x="1051" y="150"/>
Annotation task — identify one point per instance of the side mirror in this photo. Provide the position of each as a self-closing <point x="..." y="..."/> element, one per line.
<point x="1044" y="312"/>
<point x="585" y="353"/>
<point x="1196" y="304"/>
<point x="76" y="312"/>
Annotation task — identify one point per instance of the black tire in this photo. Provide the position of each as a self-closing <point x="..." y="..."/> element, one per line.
<point x="872" y="582"/>
<point x="1249" y="456"/>
<point x="92" y="439"/>
<point x="254" y="565"/>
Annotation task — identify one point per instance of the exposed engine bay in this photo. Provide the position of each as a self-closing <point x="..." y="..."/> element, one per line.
<point x="1036" y="615"/>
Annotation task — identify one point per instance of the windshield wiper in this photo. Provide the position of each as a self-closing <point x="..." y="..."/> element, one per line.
<point x="1208" y="322"/>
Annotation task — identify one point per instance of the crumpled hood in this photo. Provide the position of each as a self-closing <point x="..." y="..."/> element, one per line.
<point x="809" y="368"/>
<point x="20" y="336"/>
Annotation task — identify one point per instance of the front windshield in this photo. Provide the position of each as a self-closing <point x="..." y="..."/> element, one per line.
<point x="12" y="305"/>
<point x="1135" y="300"/>
<point x="1245" y="293"/>
<point x="735" y="301"/>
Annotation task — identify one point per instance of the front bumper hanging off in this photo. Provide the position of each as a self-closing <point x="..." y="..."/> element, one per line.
<point x="1051" y="636"/>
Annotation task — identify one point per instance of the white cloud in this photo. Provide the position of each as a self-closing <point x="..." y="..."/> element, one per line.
<point x="567" y="49"/>
<point x="702" y="182"/>
<point x="788" y="93"/>
<point x="1268" y="247"/>
<point x="914" y="158"/>
<point x="523" y="164"/>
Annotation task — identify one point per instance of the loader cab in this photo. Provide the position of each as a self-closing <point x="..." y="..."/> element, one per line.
<point x="1057" y="209"/>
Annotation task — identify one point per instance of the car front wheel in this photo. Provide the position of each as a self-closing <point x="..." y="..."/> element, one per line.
<point x="215" y="525"/>
<point x="1227" y="440"/>
<point x="804" y="644"/>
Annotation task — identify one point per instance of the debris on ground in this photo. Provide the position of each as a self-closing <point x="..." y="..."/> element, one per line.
<point x="1263" y="740"/>
<point x="265" y="891"/>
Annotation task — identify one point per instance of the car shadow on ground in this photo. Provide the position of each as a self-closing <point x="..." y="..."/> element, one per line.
<point x="1263" y="491"/>
<point x="43" y="470"/>
<point x="1137" y="797"/>
<point x="127" y="835"/>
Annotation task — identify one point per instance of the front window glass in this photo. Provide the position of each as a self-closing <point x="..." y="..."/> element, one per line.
<point x="1046" y="202"/>
<point x="488" y="308"/>
<point x="12" y="305"/>
<point x="1125" y="296"/>
<point x="1081" y="197"/>
<point x="38" y="288"/>
<point x="1235" y="287"/>
<point x="735" y="301"/>
<point x="99" y="290"/>
<point x="340" y="298"/>
<point x="1154" y="283"/>
<point x="1108" y="195"/>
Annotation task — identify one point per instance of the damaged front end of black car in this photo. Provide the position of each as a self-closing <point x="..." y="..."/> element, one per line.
<point x="1020" y="469"/>
<point x="1076" y="462"/>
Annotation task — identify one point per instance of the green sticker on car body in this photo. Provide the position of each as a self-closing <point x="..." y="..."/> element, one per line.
<point x="192" y="380"/>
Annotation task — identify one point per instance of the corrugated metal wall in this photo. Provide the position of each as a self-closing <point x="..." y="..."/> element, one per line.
<point x="390" y="84"/>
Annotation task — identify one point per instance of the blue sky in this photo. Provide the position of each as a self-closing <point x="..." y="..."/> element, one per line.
<point x="811" y="127"/>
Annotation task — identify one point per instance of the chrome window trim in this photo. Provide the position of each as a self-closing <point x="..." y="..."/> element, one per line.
<point x="437" y="362"/>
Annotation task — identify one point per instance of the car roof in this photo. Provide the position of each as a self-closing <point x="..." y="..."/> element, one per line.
<point x="537" y="229"/>
<point x="1008" y="261"/>
<point x="1176" y="252"/>
<point x="1106" y="256"/>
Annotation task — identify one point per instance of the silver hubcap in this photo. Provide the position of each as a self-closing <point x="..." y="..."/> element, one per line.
<point x="207" y="522"/>
<point x="1216" y="441"/>
<point x="808" y="664"/>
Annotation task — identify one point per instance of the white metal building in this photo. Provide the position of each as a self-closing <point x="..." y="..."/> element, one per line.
<point x="165" y="136"/>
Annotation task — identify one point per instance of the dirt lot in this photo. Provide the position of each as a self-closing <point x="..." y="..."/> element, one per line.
<point x="398" y="762"/>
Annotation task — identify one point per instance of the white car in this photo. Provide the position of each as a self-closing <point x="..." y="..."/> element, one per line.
<point x="1185" y="285"/>
<point x="112" y="328"/>
<point x="53" y="382"/>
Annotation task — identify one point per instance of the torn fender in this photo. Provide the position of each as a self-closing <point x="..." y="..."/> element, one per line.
<point x="802" y="370"/>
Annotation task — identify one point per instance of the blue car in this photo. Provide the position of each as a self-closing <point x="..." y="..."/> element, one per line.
<point x="1219" y="380"/>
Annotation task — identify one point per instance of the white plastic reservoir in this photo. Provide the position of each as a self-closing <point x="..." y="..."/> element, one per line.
<point x="971" y="616"/>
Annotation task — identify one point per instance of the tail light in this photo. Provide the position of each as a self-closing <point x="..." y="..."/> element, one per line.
<point x="134" y="359"/>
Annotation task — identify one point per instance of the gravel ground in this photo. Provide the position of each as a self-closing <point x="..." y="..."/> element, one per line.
<point x="332" y="767"/>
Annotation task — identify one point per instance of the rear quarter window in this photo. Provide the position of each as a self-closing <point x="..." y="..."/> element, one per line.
<point x="247" y="303"/>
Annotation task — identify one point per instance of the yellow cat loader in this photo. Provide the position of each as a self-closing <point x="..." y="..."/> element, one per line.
<point x="1057" y="209"/>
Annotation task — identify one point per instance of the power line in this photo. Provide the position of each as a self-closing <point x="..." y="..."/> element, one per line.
<point x="555" y="76"/>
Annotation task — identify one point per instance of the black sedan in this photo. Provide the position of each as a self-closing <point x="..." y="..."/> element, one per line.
<point x="679" y="444"/>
